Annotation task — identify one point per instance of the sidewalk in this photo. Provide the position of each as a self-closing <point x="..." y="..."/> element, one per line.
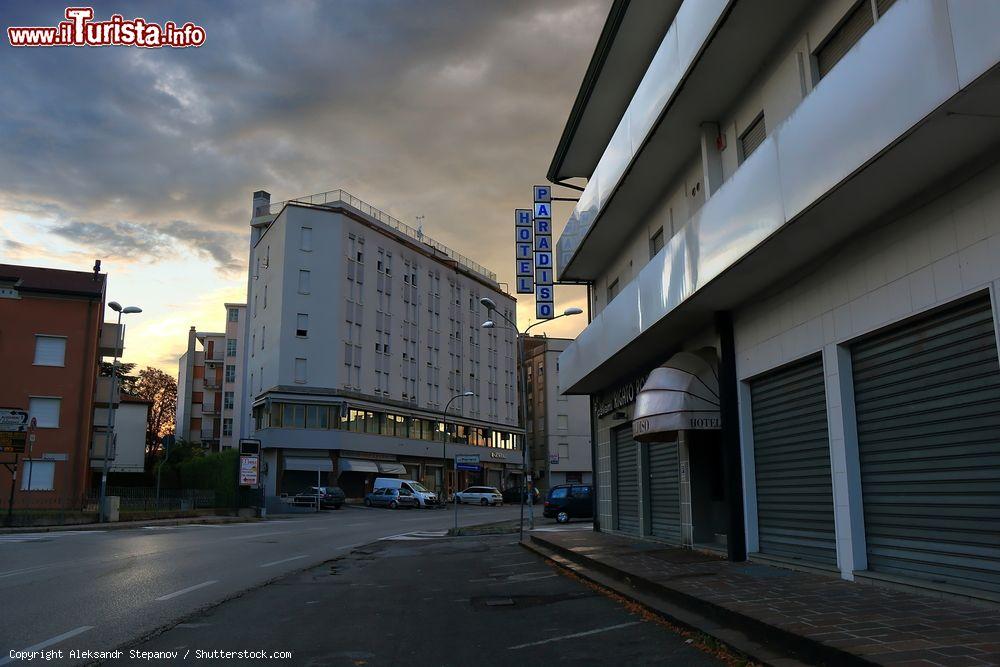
<point x="125" y="525"/>
<point x="779" y="615"/>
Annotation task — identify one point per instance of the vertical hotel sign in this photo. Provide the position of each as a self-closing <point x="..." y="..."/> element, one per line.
<point x="542" y="219"/>
<point x="524" y="244"/>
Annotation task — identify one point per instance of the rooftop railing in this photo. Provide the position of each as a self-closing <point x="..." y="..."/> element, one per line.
<point x="343" y="197"/>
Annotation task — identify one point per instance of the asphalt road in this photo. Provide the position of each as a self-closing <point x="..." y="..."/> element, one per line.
<point x="98" y="590"/>
<point x="427" y="601"/>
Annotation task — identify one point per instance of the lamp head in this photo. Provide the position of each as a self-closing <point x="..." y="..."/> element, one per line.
<point x="573" y="310"/>
<point x="488" y="324"/>
<point x="115" y="306"/>
<point x="489" y="303"/>
<point x="132" y="309"/>
<point x="468" y="393"/>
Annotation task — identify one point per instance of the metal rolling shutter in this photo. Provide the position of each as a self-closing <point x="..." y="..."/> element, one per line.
<point x="927" y="395"/>
<point x="853" y="28"/>
<point x="664" y="491"/>
<point x="792" y="460"/>
<point x="626" y="481"/>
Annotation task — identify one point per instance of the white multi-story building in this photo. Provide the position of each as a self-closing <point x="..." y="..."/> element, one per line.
<point x="360" y="331"/>
<point x="210" y="384"/>
<point x="792" y="225"/>
<point x="558" y="427"/>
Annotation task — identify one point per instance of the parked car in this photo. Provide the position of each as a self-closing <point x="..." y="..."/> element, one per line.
<point x="483" y="495"/>
<point x="425" y="498"/>
<point x="513" y="495"/>
<point x="570" y="501"/>
<point x="329" y="496"/>
<point x="391" y="498"/>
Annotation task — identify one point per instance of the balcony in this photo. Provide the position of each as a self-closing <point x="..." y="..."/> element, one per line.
<point x="103" y="390"/>
<point x="923" y="81"/>
<point x="209" y="409"/>
<point x="110" y="340"/>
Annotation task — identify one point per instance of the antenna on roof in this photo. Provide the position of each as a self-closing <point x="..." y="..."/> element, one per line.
<point x="97" y="269"/>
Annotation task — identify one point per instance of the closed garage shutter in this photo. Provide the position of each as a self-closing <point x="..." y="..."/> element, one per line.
<point x="626" y="480"/>
<point x="792" y="460"/>
<point x="664" y="491"/>
<point x="927" y="395"/>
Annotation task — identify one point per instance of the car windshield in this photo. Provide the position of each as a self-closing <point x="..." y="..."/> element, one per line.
<point x="419" y="488"/>
<point x="558" y="492"/>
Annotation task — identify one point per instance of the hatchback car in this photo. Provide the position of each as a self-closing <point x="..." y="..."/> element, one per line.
<point x="391" y="498"/>
<point x="569" y="501"/>
<point x="329" y="496"/>
<point x="482" y="495"/>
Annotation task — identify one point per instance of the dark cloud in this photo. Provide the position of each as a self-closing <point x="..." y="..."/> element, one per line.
<point x="445" y="109"/>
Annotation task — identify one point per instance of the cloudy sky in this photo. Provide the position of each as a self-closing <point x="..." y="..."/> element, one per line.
<point x="147" y="159"/>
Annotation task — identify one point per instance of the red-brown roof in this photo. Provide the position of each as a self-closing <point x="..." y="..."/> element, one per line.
<point x="58" y="281"/>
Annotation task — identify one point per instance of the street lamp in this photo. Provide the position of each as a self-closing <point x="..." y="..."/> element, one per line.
<point x="521" y="335"/>
<point x="444" y="457"/>
<point x="128" y="310"/>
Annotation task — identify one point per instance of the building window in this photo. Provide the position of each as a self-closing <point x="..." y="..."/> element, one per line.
<point x="230" y="347"/>
<point x="39" y="474"/>
<point x="613" y="290"/>
<point x="45" y="411"/>
<point x="265" y="297"/>
<point x="302" y="325"/>
<point x="50" y="350"/>
<point x="263" y="330"/>
<point x="228" y="400"/>
<point x="857" y="22"/>
<point x="306" y="239"/>
<point x="562" y="422"/>
<point x="227" y="426"/>
<point x="753" y="136"/>
<point x="656" y="243"/>
<point x="230" y="373"/>
<point x="303" y="281"/>
<point x="300" y="369"/>
<point x="234" y="314"/>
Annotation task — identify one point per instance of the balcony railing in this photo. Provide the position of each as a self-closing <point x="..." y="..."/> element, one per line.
<point x="343" y="197"/>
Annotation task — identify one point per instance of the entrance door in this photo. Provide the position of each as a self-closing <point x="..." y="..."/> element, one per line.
<point x="792" y="459"/>
<point x="927" y="397"/>
<point x="626" y="481"/>
<point x="664" y="491"/>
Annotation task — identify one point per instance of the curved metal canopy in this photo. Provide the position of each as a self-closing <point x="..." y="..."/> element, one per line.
<point x="680" y="395"/>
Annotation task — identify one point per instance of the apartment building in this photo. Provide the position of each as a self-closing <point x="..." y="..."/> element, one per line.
<point x="558" y="429"/>
<point x="51" y="342"/>
<point x="791" y="234"/>
<point x="210" y="384"/>
<point x="361" y="331"/>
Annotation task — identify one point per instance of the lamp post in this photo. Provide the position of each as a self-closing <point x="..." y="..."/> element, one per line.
<point x="444" y="444"/>
<point x="490" y="324"/>
<point x="128" y="310"/>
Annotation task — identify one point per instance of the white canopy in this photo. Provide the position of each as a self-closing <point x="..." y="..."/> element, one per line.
<point x="680" y="395"/>
<point x="310" y="464"/>
<point x="357" y="465"/>
<point x="392" y="468"/>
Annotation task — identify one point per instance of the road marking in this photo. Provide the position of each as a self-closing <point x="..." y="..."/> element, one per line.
<point x="171" y="596"/>
<point x="354" y="525"/>
<point x="250" y="537"/>
<point x="284" y="560"/>
<point x="35" y="537"/>
<point x="50" y="642"/>
<point x="574" y="636"/>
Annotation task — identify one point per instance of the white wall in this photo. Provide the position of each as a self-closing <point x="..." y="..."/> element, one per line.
<point x="130" y="433"/>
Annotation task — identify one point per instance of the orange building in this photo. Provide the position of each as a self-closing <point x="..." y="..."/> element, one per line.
<point x="51" y="342"/>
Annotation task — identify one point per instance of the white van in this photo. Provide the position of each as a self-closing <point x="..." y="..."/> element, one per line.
<point x="425" y="497"/>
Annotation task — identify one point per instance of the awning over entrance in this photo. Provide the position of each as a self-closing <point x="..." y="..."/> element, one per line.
<point x="357" y="465"/>
<point x="392" y="468"/>
<point x="680" y="395"/>
<point x="310" y="464"/>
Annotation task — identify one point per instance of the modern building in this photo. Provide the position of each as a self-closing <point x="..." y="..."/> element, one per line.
<point x="558" y="430"/>
<point x="210" y="383"/>
<point x="791" y="235"/>
<point x="360" y="332"/>
<point x="51" y="342"/>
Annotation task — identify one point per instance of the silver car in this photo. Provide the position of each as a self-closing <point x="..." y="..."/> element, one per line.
<point x="479" y="495"/>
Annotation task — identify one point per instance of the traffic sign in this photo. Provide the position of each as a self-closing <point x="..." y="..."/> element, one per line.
<point x="13" y="420"/>
<point x="467" y="462"/>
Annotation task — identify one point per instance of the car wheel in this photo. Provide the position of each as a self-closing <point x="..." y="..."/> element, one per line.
<point x="562" y="517"/>
<point x="368" y="502"/>
<point x="484" y="502"/>
<point x="393" y="505"/>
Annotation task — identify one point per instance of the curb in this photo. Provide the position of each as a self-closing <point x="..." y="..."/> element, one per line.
<point x="125" y="525"/>
<point x="756" y="639"/>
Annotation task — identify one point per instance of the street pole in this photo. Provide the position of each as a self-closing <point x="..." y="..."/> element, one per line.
<point x="13" y="485"/>
<point x="444" y="457"/>
<point x="31" y="443"/>
<point x="102" y="510"/>
<point x="159" y="473"/>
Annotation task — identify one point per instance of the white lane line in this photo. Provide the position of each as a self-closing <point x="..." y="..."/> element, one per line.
<point x="284" y="560"/>
<point x="171" y="596"/>
<point x="250" y="537"/>
<point x="51" y="642"/>
<point x="355" y="525"/>
<point x="574" y="636"/>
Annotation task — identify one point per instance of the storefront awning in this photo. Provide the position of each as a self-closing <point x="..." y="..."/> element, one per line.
<point x="392" y="468"/>
<point x="311" y="464"/>
<point x="357" y="465"/>
<point x="680" y="395"/>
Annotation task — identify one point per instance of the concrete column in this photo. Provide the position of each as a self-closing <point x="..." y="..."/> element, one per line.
<point x="711" y="158"/>
<point x="749" y="469"/>
<point x="269" y="460"/>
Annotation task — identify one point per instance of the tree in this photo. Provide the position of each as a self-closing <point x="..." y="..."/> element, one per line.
<point x="156" y="386"/>
<point x="126" y="381"/>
